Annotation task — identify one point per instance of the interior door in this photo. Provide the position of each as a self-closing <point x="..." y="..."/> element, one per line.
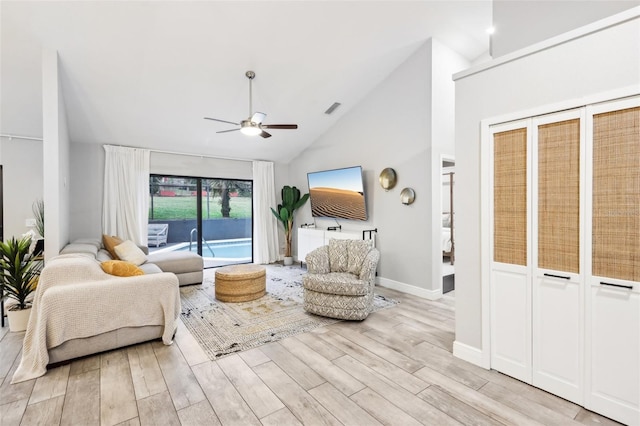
<point x="613" y="305"/>
<point x="510" y="274"/>
<point x="558" y="290"/>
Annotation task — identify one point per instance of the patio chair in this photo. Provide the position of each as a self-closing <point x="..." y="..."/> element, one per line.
<point x="157" y="234"/>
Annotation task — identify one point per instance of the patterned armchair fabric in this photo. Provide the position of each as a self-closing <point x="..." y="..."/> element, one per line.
<point x="340" y="279"/>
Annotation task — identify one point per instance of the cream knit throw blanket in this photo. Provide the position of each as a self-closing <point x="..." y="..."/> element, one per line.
<point x="76" y="299"/>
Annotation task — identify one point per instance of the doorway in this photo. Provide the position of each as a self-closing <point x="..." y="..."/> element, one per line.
<point x="448" y="222"/>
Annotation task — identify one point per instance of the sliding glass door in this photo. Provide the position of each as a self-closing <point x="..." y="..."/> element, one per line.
<point x="210" y="216"/>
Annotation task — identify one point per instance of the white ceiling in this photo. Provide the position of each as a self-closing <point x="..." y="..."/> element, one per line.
<point x="146" y="73"/>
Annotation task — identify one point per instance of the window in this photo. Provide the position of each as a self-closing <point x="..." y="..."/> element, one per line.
<point x="210" y="216"/>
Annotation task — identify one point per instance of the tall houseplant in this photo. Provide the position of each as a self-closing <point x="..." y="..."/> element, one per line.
<point x="38" y="213"/>
<point x="19" y="274"/>
<point x="291" y="201"/>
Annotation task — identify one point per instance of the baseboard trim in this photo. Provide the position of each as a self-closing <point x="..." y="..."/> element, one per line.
<point x="470" y="354"/>
<point x="410" y="289"/>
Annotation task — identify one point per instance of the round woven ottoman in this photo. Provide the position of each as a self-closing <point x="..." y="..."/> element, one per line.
<point x="240" y="283"/>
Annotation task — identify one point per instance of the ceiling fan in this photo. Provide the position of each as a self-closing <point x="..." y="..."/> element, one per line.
<point x="253" y="125"/>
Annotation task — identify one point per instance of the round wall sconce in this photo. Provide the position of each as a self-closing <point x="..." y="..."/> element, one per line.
<point x="388" y="178"/>
<point x="407" y="196"/>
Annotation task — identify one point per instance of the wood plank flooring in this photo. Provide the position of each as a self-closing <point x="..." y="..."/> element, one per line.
<point x="394" y="368"/>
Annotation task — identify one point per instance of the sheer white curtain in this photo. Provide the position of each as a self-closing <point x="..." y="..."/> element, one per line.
<point x="265" y="226"/>
<point x="125" y="207"/>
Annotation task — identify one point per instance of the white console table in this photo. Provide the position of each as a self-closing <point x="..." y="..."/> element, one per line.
<point x="312" y="238"/>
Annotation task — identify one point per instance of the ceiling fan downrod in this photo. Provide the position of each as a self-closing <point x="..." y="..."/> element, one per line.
<point x="250" y="75"/>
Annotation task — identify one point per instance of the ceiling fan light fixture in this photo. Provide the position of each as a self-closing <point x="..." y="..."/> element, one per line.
<point x="253" y="126"/>
<point x="250" y="128"/>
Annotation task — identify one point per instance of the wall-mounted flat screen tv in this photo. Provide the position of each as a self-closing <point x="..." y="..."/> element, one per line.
<point x="338" y="193"/>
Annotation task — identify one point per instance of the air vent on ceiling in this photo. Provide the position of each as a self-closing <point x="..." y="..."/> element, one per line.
<point x="332" y="108"/>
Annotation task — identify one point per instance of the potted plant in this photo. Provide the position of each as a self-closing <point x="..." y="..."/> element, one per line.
<point x="38" y="213"/>
<point x="37" y="242"/>
<point x="19" y="274"/>
<point x="291" y="201"/>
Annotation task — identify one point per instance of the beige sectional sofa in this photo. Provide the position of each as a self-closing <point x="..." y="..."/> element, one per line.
<point x="187" y="266"/>
<point x="80" y="310"/>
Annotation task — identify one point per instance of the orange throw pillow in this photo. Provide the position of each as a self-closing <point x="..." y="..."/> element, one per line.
<point x="120" y="268"/>
<point x="110" y="244"/>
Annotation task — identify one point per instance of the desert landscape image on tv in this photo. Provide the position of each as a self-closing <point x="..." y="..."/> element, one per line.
<point x="338" y="193"/>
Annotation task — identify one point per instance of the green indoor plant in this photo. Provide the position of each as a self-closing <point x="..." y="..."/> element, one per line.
<point x="291" y="201"/>
<point x="38" y="213"/>
<point x="19" y="274"/>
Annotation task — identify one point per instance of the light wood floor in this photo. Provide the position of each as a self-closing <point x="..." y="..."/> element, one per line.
<point x="394" y="368"/>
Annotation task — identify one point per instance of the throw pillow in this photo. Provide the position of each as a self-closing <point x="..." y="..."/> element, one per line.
<point x="130" y="252"/>
<point x="120" y="268"/>
<point x="110" y="244"/>
<point x="338" y="255"/>
<point x="358" y="250"/>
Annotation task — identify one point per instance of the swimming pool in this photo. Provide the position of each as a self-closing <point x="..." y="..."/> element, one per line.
<point x="241" y="249"/>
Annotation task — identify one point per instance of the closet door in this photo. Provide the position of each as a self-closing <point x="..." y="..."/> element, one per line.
<point x="510" y="274"/>
<point x="613" y="300"/>
<point x="558" y="290"/>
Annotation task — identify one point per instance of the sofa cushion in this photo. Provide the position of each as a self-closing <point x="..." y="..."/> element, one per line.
<point x="342" y="283"/>
<point x="93" y="241"/>
<point x="178" y="262"/>
<point x="80" y="248"/>
<point x="121" y="268"/>
<point x="103" y="255"/>
<point x="358" y="250"/>
<point x="110" y="244"/>
<point x="130" y="252"/>
<point x="150" y="268"/>
<point x="338" y="255"/>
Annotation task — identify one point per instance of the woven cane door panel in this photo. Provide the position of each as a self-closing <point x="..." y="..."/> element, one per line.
<point x="559" y="196"/>
<point x="616" y="194"/>
<point x="510" y="197"/>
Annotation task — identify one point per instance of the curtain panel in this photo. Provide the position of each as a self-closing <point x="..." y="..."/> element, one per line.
<point x="265" y="225"/>
<point x="125" y="207"/>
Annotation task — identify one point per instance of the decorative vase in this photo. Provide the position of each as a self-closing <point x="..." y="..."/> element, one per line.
<point x="18" y="318"/>
<point x="288" y="261"/>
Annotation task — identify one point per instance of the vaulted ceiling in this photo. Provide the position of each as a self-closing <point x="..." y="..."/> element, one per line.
<point x="146" y="73"/>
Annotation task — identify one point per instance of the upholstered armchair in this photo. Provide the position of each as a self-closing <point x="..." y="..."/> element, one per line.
<point x="340" y="279"/>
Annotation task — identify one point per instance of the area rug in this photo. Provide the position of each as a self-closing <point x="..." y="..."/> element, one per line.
<point x="225" y="328"/>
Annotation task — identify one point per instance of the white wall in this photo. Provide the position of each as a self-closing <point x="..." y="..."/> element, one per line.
<point x="86" y="189"/>
<point x="573" y="71"/>
<point x="522" y="23"/>
<point x="56" y="143"/>
<point x="189" y="165"/>
<point x="393" y="127"/>
<point x="22" y="183"/>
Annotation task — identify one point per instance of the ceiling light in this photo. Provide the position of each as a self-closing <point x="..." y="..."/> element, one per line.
<point x="251" y="131"/>
<point x="250" y="128"/>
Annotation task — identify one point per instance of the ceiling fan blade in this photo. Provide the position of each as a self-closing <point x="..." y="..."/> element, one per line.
<point x="222" y="121"/>
<point x="257" y="117"/>
<point x="265" y="134"/>
<point x="227" y="131"/>
<point x="280" y="126"/>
